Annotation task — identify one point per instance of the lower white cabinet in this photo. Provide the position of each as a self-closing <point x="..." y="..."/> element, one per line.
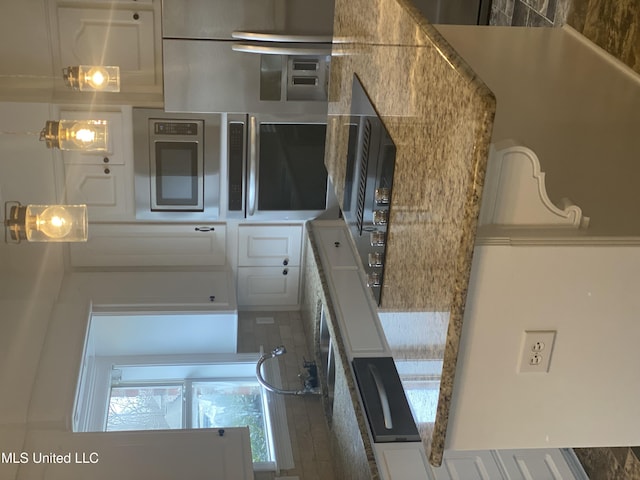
<point x="268" y="286"/>
<point x="407" y="461"/>
<point x="269" y="245"/>
<point x="124" y="245"/>
<point x="269" y="262"/>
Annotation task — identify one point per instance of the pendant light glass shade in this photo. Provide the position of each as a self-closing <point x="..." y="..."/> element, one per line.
<point x="93" y="78"/>
<point x="84" y="135"/>
<point x="45" y="223"/>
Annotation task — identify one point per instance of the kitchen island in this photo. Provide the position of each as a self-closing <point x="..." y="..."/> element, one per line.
<point x="440" y="116"/>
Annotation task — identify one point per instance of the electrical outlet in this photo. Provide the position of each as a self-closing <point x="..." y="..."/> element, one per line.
<point x="536" y="350"/>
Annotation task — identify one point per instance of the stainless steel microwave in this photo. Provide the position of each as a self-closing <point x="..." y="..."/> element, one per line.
<point x="177" y="165"/>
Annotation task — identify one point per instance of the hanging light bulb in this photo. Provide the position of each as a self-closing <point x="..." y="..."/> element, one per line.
<point x="45" y="223"/>
<point x="93" y="78"/>
<point x="85" y="135"/>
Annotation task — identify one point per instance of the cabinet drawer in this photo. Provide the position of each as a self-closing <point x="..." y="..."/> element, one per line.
<point x="268" y="286"/>
<point x="336" y="246"/>
<point x="150" y="245"/>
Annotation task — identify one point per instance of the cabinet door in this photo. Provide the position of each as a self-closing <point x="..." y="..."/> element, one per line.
<point x="401" y="461"/>
<point x="122" y="245"/>
<point x="267" y="286"/>
<point x="269" y="245"/>
<point x="112" y="36"/>
<point x="105" y="190"/>
<point x="161" y="455"/>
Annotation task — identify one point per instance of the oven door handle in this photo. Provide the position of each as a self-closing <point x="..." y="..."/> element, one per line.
<point x="382" y="395"/>
<point x="253" y="165"/>
<point x="278" y="50"/>
<point x="281" y="37"/>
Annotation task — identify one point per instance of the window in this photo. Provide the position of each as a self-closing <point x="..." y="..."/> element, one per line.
<point x="193" y="404"/>
<point x="175" y="392"/>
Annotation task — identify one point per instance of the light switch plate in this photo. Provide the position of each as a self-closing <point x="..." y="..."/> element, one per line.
<point x="536" y="351"/>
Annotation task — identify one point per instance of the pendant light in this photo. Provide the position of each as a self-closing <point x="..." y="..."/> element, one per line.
<point x="84" y="135"/>
<point x="45" y="223"/>
<point x="92" y="78"/>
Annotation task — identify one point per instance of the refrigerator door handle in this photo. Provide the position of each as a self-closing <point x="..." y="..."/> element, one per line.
<point x="279" y="50"/>
<point x="281" y="37"/>
<point x="253" y="165"/>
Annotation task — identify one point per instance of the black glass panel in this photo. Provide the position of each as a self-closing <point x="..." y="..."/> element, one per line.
<point x="292" y="175"/>
<point x="176" y="173"/>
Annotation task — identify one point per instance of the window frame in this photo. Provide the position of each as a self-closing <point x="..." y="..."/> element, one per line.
<point x="97" y="376"/>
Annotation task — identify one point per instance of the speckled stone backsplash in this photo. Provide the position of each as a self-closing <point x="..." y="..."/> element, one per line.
<point x="529" y="13"/>
<point x="613" y="25"/>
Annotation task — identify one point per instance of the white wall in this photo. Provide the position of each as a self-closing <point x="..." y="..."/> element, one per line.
<point x="30" y="274"/>
<point x="26" y="68"/>
<point x="589" y="295"/>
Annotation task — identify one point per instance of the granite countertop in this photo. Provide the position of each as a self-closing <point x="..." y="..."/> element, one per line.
<point x="440" y="116"/>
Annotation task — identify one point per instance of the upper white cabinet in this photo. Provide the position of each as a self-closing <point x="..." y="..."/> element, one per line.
<point x="269" y="258"/>
<point x="103" y="181"/>
<point x="125" y="33"/>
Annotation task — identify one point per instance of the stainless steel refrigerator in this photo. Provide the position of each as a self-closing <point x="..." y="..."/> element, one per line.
<point x="261" y="56"/>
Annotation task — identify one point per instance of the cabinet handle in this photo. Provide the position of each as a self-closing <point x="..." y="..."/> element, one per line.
<point x="107" y="171"/>
<point x="285" y="262"/>
<point x="336" y="244"/>
<point x="285" y="271"/>
<point x="212" y="298"/>
<point x="204" y="229"/>
<point x="136" y="16"/>
<point x="105" y="159"/>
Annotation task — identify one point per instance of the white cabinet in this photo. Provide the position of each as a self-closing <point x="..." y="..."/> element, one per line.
<point x="269" y="259"/>
<point x="199" y="291"/>
<point x="336" y="247"/>
<point x="161" y="455"/>
<point x="356" y="313"/>
<point x="123" y="33"/>
<point x="270" y="286"/>
<point x="403" y="461"/>
<point x="141" y="244"/>
<point x="269" y="245"/>
<point x="103" y="181"/>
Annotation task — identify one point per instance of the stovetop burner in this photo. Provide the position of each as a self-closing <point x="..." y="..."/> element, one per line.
<point x="368" y="185"/>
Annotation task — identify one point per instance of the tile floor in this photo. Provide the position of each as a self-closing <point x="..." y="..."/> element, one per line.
<point x="305" y="415"/>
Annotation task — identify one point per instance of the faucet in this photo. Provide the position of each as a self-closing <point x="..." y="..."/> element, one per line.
<point x="310" y="379"/>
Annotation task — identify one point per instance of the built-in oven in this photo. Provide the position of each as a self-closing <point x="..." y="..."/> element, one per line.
<point x="276" y="167"/>
<point x="177" y="165"/>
